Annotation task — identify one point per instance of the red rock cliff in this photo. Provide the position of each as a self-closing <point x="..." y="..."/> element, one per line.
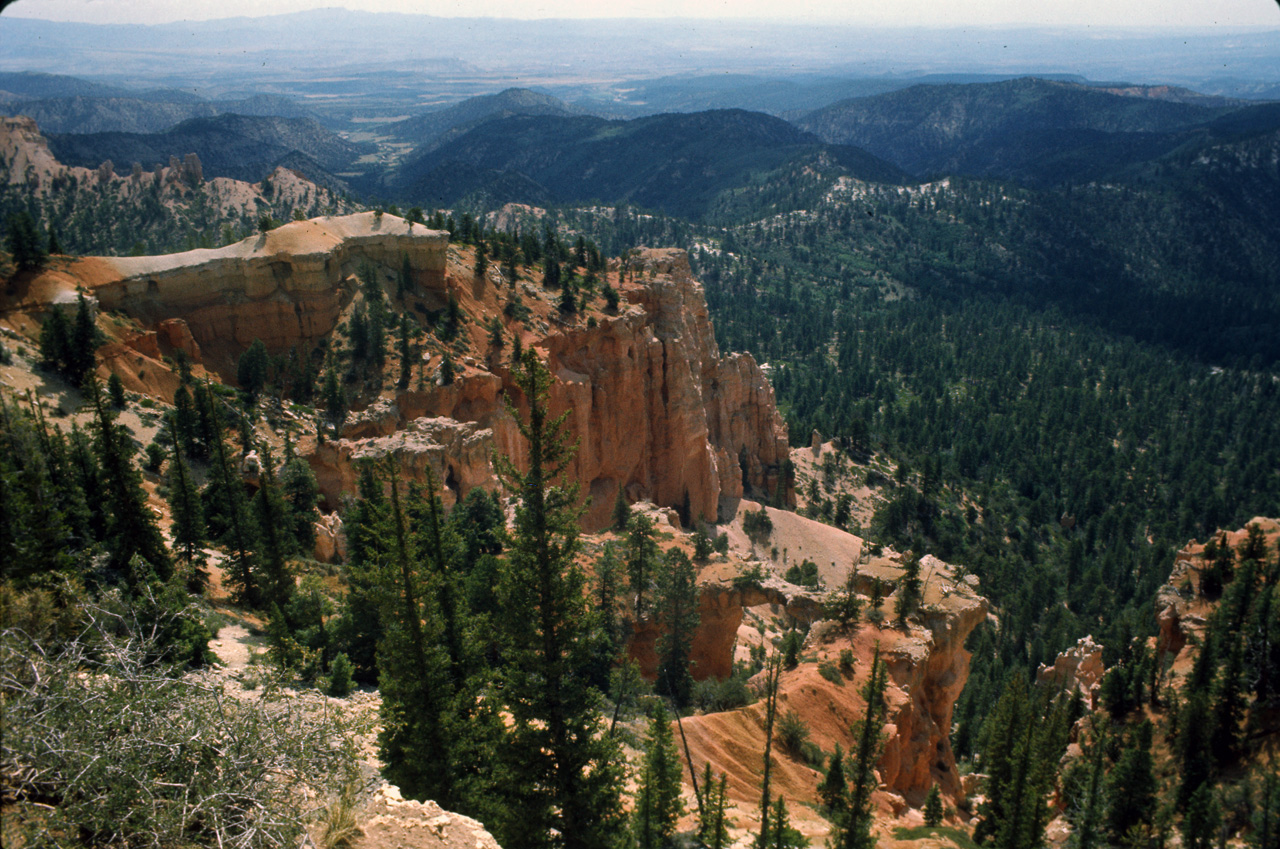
<point x="653" y="405"/>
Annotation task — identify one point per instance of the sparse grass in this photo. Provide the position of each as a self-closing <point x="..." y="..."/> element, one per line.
<point x="340" y="827"/>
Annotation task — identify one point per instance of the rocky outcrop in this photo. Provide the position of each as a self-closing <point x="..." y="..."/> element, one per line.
<point x="927" y="673"/>
<point x="1182" y="612"/>
<point x="652" y="405"/>
<point x="1078" y="669"/>
<point x="286" y="287"/>
<point x="720" y="613"/>
<point x="389" y="821"/>
<point x="459" y="455"/>
<point x="928" y="667"/>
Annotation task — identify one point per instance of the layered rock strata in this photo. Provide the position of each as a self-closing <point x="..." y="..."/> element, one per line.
<point x="652" y="405"/>
<point x="286" y="287"/>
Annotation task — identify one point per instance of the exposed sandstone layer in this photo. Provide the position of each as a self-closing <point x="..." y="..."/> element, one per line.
<point x="286" y="287"/>
<point x="654" y="408"/>
<point x="1079" y="668"/>
<point x="652" y="405"/>
<point x="1181" y="611"/>
<point x="720" y="613"/>
<point x="928" y="667"/>
<point x="927" y="673"/>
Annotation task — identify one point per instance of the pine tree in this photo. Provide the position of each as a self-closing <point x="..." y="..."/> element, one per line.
<point x="301" y="493"/>
<point x="773" y="673"/>
<point x="405" y="350"/>
<point x="853" y="823"/>
<point x="132" y="529"/>
<point x="358" y="334"/>
<point x="332" y="397"/>
<point x="933" y="808"/>
<point x="24" y="242"/>
<point x="713" y="825"/>
<point x="608" y="574"/>
<point x="115" y="391"/>
<point x="276" y="542"/>
<point x="621" y="511"/>
<point x="55" y="337"/>
<point x="82" y="345"/>
<point x="909" y="591"/>
<point x="568" y="297"/>
<point x="658" y="804"/>
<point x="832" y="788"/>
<point x="781" y="834"/>
<point x="1132" y="787"/>
<point x="1202" y="818"/>
<point x="1024" y="745"/>
<point x="439" y="732"/>
<point x="184" y="424"/>
<point x="482" y="259"/>
<point x="1087" y="817"/>
<point x="642" y="557"/>
<point x="404" y="283"/>
<point x="676" y="608"/>
<point x="1194" y="743"/>
<point x="34" y="538"/>
<point x="562" y="774"/>
<point x="184" y="506"/>
<point x="446" y="370"/>
<point x="227" y="513"/>
<point x="252" y="369"/>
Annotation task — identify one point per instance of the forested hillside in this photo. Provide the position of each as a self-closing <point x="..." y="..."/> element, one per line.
<point x="1073" y="382"/>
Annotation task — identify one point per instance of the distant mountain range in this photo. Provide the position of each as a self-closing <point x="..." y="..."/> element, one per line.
<point x="428" y="128"/>
<point x="677" y="163"/>
<point x="1039" y="132"/>
<point x="520" y="145"/>
<point x="241" y="147"/>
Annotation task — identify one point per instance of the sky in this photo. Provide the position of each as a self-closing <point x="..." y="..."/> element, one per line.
<point x="1215" y="14"/>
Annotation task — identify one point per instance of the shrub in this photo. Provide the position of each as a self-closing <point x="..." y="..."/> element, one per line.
<point x="757" y="525"/>
<point x="155" y="457"/>
<point x="804" y="574"/>
<point x="792" y="642"/>
<point x="752" y="577"/>
<point x="831" y="672"/>
<point x="847" y="661"/>
<point x="243" y="767"/>
<point x="719" y="694"/>
<point x="792" y="733"/>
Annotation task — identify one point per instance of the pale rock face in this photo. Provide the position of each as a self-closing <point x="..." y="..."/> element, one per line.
<point x="389" y="821"/>
<point x="1079" y="669"/>
<point x="331" y="543"/>
<point x="457" y="453"/>
<point x="928" y="673"/>
<point x="286" y="287"/>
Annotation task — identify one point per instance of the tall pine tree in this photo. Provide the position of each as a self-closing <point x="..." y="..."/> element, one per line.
<point x="563" y="774"/>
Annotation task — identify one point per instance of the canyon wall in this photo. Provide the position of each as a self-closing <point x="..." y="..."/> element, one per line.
<point x="656" y="411"/>
<point x="652" y="405"/>
<point x="286" y="286"/>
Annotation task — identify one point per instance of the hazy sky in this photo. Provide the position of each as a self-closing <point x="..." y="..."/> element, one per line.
<point x="1137" y="13"/>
